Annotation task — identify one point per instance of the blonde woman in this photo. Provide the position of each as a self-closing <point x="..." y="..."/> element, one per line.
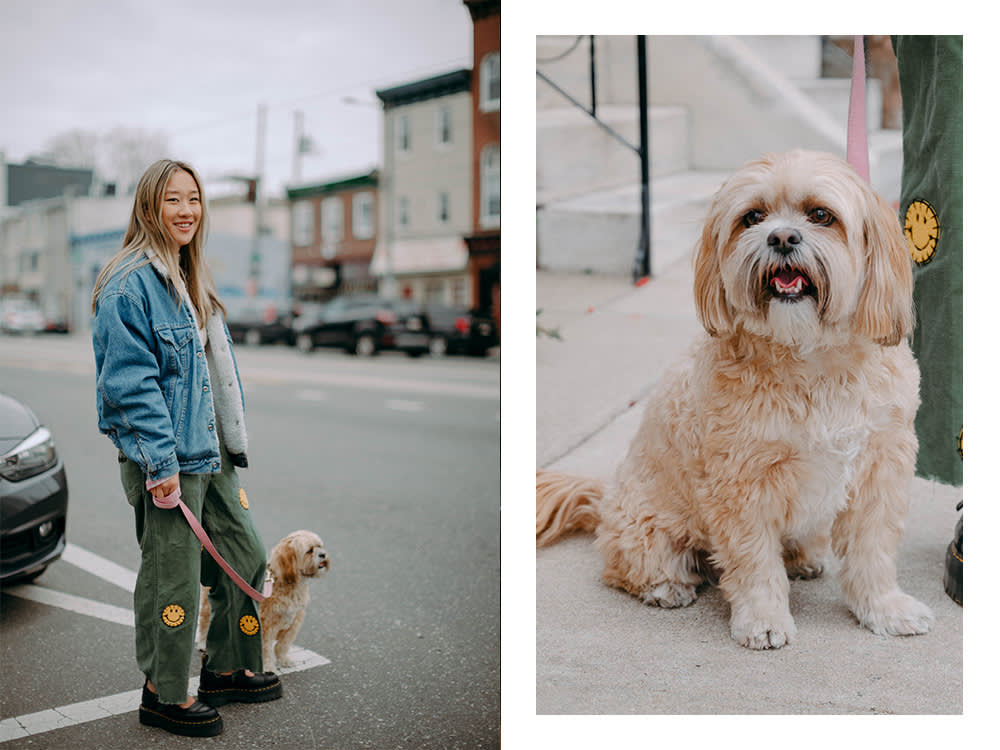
<point x="169" y="397"/>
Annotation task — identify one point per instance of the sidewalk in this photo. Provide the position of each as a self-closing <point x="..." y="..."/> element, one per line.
<point x="601" y="651"/>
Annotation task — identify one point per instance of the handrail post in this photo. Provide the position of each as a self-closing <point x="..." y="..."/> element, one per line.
<point x="641" y="268"/>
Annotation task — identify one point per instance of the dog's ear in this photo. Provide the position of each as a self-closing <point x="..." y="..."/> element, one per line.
<point x="885" y="306"/>
<point x="285" y="562"/>
<point x="709" y="293"/>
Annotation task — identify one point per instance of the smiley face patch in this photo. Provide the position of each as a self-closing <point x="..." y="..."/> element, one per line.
<point x="923" y="230"/>
<point x="244" y="500"/>
<point x="249" y="625"/>
<point x="173" y="615"/>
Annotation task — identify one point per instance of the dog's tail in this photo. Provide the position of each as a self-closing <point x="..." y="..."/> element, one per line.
<point x="564" y="503"/>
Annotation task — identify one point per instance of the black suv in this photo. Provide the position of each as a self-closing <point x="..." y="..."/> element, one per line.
<point x="364" y="324"/>
<point x="458" y="331"/>
<point x="256" y="322"/>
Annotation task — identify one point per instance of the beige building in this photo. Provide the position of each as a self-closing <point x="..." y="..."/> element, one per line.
<point x="426" y="190"/>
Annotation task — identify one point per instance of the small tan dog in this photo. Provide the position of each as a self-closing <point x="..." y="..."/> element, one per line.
<point x="294" y="561"/>
<point x="791" y="423"/>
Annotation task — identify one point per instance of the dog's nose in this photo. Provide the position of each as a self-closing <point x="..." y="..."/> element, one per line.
<point x="784" y="239"/>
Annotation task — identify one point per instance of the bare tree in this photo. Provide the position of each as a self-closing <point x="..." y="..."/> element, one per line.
<point x="119" y="156"/>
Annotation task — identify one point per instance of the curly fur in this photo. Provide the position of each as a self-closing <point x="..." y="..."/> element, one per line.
<point x="788" y="427"/>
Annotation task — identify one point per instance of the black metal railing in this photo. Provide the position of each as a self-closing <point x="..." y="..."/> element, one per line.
<point x="641" y="264"/>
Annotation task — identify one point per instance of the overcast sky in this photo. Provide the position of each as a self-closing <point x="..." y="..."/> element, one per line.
<point x="196" y="70"/>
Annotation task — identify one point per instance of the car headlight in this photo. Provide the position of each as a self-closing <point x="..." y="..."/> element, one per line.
<point x="33" y="456"/>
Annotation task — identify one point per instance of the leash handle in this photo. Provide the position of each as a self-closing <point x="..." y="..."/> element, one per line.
<point x="857" y="131"/>
<point x="173" y="500"/>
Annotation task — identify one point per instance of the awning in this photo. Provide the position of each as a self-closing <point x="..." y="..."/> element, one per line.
<point x="434" y="255"/>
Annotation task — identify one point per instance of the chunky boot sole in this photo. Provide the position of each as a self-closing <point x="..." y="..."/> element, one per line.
<point x="222" y="696"/>
<point x="151" y="717"/>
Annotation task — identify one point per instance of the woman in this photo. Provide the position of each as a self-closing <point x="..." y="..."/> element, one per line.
<point x="170" y="398"/>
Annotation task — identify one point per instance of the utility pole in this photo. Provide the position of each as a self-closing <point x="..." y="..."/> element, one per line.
<point x="258" y="206"/>
<point x="297" y="146"/>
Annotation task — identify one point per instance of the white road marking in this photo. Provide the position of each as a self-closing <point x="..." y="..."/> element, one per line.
<point x="76" y="604"/>
<point x="100" y="708"/>
<point x="310" y="394"/>
<point x="122" y="703"/>
<point x="398" y="404"/>
<point x="101" y="567"/>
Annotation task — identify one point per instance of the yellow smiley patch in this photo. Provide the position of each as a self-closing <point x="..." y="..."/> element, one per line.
<point x="173" y="615"/>
<point x="922" y="229"/>
<point x="244" y="500"/>
<point x="249" y="625"/>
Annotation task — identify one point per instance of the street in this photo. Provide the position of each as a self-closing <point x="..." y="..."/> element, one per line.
<point x="394" y="462"/>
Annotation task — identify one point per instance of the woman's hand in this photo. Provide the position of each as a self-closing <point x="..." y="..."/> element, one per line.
<point x="168" y="486"/>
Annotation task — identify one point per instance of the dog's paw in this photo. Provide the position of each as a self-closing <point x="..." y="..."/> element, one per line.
<point x="762" y="633"/>
<point x="669" y="595"/>
<point x="896" y="613"/>
<point x="805" y="569"/>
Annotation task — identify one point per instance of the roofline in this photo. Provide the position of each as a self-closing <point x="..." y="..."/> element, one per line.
<point x="366" y="179"/>
<point x="453" y="82"/>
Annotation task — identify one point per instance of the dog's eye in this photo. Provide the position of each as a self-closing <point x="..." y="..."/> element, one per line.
<point x="753" y="216"/>
<point x="821" y="216"/>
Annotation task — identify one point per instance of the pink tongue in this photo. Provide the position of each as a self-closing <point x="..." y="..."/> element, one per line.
<point x="787" y="280"/>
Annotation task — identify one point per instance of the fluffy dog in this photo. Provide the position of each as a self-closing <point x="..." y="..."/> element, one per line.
<point x="790" y="426"/>
<point x="294" y="561"/>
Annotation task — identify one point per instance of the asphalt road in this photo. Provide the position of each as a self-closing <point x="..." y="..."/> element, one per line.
<point x="394" y="462"/>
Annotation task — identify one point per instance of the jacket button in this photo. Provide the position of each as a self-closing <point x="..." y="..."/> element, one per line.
<point x="211" y="427"/>
<point x="204" y="388"/>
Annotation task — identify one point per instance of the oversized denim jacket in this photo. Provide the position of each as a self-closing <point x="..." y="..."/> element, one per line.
<point x="154" y="387"/>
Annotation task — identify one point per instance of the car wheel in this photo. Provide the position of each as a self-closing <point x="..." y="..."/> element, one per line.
<point x="364" y="346"/>
<point x="252" y="337"/>
<point x="304" y="342"/>
<point x="438" y="346"/>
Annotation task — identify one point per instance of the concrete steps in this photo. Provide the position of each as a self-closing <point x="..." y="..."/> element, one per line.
<point x="587" y="182"/>
<point x="599" y="231"/>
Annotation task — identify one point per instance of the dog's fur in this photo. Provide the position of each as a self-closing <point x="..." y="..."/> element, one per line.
<point x="294" y="561"/>
<point x="788" y="426"/>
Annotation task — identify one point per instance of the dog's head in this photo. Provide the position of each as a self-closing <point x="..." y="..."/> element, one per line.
<point x="799" y="249"/>
<point x="299" y="555"/>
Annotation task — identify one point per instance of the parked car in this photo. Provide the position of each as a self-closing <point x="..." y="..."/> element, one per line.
<point x="33" y="494"/>
<point x="21" y="315"/>
<point x="364" y="324"/>
<point x="256" y="322"/>
<point x="458" y="331"/>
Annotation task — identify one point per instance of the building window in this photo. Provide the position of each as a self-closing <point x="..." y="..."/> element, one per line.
<point x="443" y="208"/>
<point x="404" y="211"/>
<point x="332" y="219"/>
<point x="458" y="292"/>
<point x="363" y="216"/>
<point x="403" y="134"/>
<point x="302" y="222"/>
<point x="443" y="130"/>
<point x="489" y="188"/>
<point x="489" y="83"/>
<point x="434" y="291"/>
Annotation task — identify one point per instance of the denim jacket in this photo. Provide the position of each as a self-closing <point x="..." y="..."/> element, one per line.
<point x="155" y="379"/>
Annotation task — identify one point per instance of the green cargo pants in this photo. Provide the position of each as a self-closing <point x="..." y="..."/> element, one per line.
<point x="930" y="77"/>
<point x="173" y="564"/>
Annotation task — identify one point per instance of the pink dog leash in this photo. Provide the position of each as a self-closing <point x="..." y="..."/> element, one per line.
<point x="857" y="133"/>
<point x="173" y="500"/>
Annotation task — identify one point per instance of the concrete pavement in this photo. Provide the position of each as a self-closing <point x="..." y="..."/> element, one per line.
<point x="600" y="651"/>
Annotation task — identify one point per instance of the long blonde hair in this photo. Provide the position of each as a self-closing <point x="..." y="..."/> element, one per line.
<point x="187" y="269"/>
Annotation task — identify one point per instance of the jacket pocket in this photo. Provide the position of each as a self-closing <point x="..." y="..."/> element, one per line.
<point x="176" y="345"/>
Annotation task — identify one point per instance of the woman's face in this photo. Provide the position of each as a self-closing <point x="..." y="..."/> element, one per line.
<point x="181" y="209"/>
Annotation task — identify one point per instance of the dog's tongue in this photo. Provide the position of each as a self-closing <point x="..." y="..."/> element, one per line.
<point x="788" y="282"/>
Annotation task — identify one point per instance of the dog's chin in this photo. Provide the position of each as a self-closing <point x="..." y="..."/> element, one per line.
<point x="793" y="323"/>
